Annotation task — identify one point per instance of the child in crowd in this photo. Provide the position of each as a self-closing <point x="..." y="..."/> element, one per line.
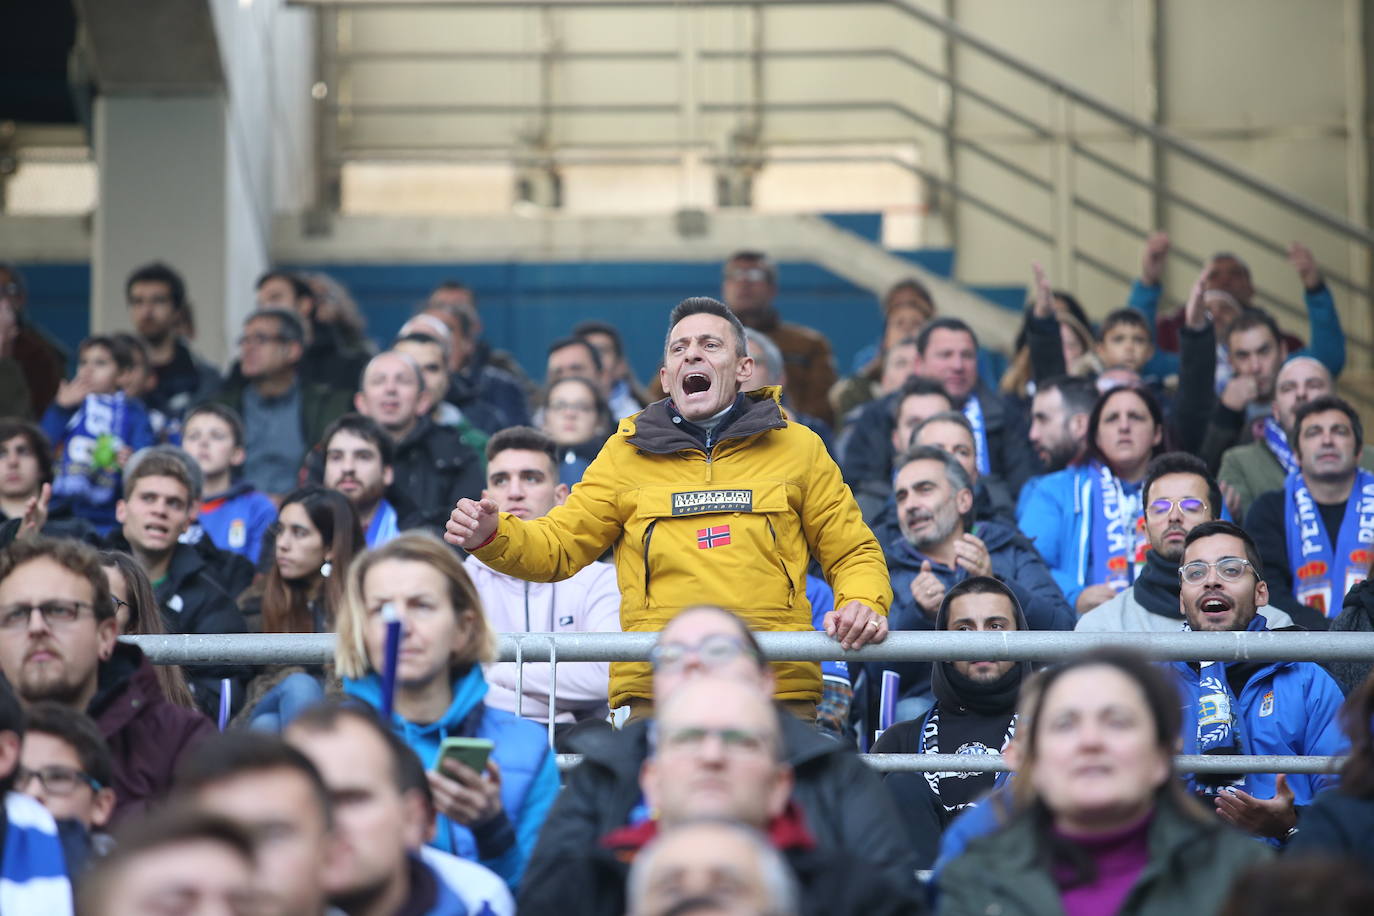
<point x="1124" y="340"/>
<point x="234" y="515"/>
<point x="95" y="427"/>
<point x="140" y="381"/>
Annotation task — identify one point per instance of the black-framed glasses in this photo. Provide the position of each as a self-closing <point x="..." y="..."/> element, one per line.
<point x="1188" y="505"/>
<point x="713" y="651"/>
<point x="1230" y="569"/>
<point x="55" y="613"/>
<point x="56" y="779"/>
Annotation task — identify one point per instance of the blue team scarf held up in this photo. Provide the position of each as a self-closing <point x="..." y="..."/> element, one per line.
<point x="1114" y="514"/>
<point x="88" y="470"/>
<point x="973" y="412"/>
<point x="1277" y="443"/>
<point x="1318" y="568"/>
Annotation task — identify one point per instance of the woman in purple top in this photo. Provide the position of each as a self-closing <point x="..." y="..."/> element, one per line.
<point x="1101" y="824"/>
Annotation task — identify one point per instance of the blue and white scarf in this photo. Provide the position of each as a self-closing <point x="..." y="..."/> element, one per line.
<point x="88" y="471"/>
<point x="973" y="412"/>
<point x="1277" y="442"/>
<point x="1113" y="514"/>
<point x="33" y="872"/>
<point x="1316" y="566"/>
<point x="383" y="526"/>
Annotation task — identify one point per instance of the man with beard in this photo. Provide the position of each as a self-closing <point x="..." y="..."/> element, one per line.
<point x="1179" y="494"/>
<point x="1316" y="533"/>
<point x="974" y="714"/>
<point x="937" y="551"/>
<point x="711" y="495"/>
<point x="156" y="295"/>
<point x="1059" y="419"/>
<point x="357" y="463"/>
<point x="1283" y="708"/>
<point x="57" y="642"/>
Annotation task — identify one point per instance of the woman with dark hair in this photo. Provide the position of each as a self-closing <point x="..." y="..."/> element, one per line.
<point x="1086" y="520"/>
<point x="137" y="612"/>
<point x="314" y="540"/>
<point x="576" y="417"/>
<point x="1340" y="822"/>
<point x="1101" y="824"/>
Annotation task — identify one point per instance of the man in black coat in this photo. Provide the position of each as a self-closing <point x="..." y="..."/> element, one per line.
<point x="974" y="714"/>
<point x="718" y="754"/>
<point x="159" y="492"/>
<point x="432" y="466"/>
<point x="845" y="806"/>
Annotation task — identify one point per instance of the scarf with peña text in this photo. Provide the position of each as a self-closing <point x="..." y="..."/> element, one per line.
<point x="1317" y="566"/>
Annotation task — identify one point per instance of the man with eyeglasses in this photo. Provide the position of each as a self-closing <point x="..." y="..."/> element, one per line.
<point x="749" y="284"/>
<point x="1317" y="532"/>
<point x="846" y="808"/>
<point x="66" y="765"/>
<point x="1249" y="707"/>
<point x="283" y="414"/>
<point x="1179" y="494"/>
<point x="717" y="753"/>
<point x="58" y="642"/>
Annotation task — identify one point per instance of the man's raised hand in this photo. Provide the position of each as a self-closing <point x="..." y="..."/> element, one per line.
<point x="472" y="523"/>
<point x="1152" y="263"/>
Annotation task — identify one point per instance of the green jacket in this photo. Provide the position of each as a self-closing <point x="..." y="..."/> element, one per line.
<point x="1192" y="864"/>
<point x="1252" y="469"/>
<point x="320" y="405"/>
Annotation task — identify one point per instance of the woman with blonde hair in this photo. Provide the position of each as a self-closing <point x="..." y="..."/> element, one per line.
<point x="492" y="817"/>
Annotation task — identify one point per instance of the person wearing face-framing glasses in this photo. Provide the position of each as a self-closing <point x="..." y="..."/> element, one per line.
<point x="1178" y="495"/>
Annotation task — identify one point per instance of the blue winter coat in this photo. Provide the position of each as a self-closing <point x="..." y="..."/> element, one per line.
<point x="1285" y="708"/>
<point x="529" y="773"/>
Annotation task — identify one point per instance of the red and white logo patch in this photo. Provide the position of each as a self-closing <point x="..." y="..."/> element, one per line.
<point x="713" y="537"/>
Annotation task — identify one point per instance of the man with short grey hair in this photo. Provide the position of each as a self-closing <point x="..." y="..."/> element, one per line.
<point x="939" y="547"/>
<point x="769" y="370"/>
<point x="725" y="863"/>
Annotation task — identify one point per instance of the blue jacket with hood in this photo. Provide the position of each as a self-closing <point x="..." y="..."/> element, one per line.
<point x="1284" y="708"/>
<point x="529" y="772"/>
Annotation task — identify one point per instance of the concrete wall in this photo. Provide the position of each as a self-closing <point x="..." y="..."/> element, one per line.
<point x="1273" y="87"/>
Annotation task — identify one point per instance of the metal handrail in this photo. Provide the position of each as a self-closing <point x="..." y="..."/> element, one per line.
<point x="1042" y="645"/>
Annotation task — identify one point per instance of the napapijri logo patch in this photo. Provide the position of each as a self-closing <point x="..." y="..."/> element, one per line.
<point x="699" y="501"/>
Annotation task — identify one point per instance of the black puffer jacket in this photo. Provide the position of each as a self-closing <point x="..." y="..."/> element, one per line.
<point x="845" y="804"/>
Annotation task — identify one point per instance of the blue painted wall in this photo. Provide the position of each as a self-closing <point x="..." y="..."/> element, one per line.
<point x="526" y="305"/>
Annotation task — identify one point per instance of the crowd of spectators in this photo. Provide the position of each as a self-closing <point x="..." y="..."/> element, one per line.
<point x="1139" y="473"/>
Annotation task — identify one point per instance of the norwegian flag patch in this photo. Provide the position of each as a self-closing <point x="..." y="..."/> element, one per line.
<point x="713" y="537"/>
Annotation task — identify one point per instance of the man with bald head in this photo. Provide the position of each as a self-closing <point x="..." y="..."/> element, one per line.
<point x="1260" y="466"/>
<point x="432" y="467"/>
<point x="846" y="808"/>
<point x="718" y="753"/>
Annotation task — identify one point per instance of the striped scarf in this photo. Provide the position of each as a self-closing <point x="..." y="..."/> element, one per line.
<point x="33" y="870"/>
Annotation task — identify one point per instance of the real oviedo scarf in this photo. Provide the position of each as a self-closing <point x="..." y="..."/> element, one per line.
<point x="1317" y="567"/>
<point x="1115" y="515"/>
<point x="973" y="412"/>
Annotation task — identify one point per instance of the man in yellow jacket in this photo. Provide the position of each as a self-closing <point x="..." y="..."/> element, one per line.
<point x="710" y="497"/>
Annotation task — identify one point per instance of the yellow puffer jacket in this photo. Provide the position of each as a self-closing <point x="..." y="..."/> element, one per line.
<point x="733" y="528"/>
